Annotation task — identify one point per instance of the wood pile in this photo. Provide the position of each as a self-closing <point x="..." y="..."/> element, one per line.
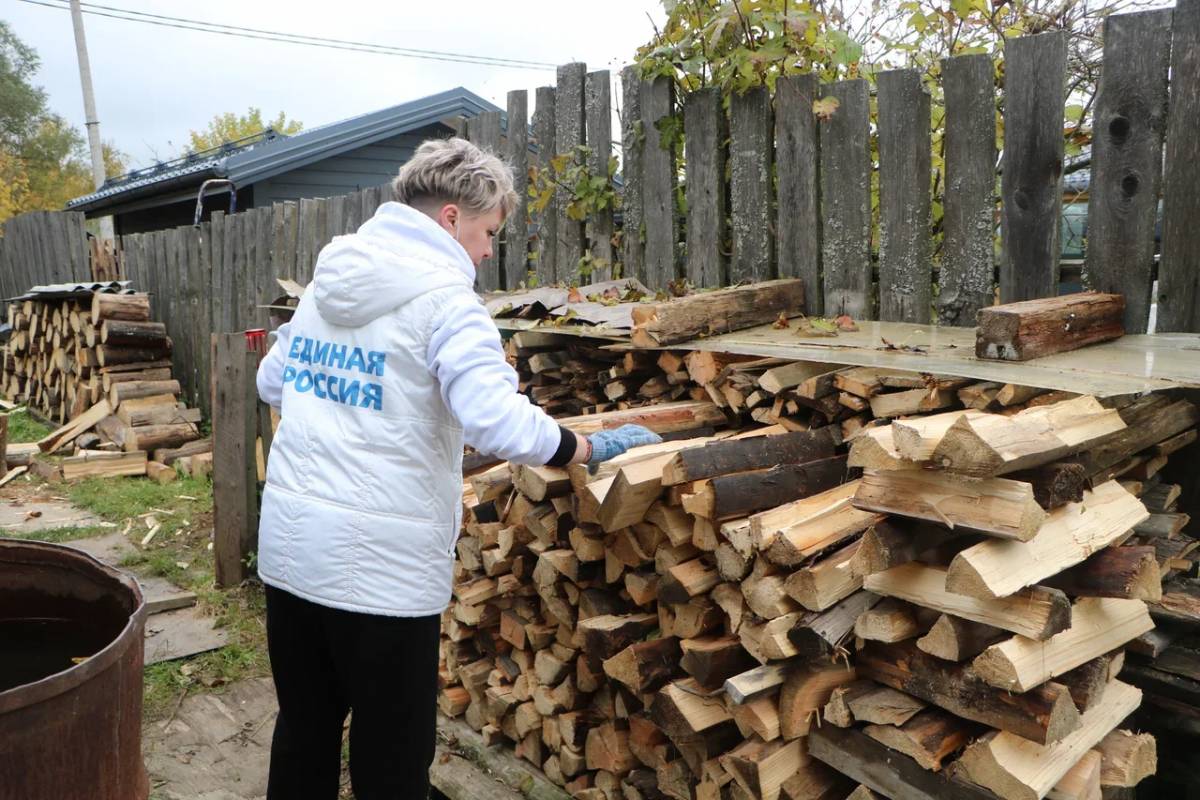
<point x="743" y="614"/>
<point x="571" y="375"/>
<point x="101" y="368"/>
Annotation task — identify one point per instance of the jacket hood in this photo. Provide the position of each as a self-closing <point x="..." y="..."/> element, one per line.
<point x="397" y="255"/>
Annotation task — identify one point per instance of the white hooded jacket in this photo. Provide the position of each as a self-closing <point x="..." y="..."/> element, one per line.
<point x="388" y="364"/>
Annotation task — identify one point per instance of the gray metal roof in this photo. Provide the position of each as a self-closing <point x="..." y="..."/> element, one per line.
<point x="272" y="154"/>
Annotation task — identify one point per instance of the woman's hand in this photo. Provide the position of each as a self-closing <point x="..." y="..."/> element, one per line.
<point x="612" y="443"/>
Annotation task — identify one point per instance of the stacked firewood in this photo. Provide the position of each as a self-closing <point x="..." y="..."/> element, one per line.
<point x="65" y="355"/>
<point x="1019" y="557"/>
<point x="715" y="616"/>
<point x="102" y="368"/>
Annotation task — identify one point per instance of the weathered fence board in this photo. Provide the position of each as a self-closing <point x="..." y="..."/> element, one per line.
<point x="1179" y="270"/>
<point x="704" y="152"/>
<point x="235" y="413"/>
<point x="967" y="275"/>
<point x="905" y="172"/>
<point x="750" y="157"/>
<point x="569" y="132"/>
<point x="1031" y="172"/>
<point x="545" y="220"/>
<point x="658" y="185"/>
<point x="598" y="111"/>
<point x="798" y="221"/>
<point x="488" y="272"/>
<point x="632" y="207"/>
<point x="846" y="201"/>
<point x="1130" y="119"/>
<point x="516" y="228"/>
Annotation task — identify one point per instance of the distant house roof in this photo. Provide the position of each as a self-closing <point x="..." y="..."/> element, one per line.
<point x="270" y="153"/>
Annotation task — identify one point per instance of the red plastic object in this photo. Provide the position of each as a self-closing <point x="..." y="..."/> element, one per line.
<point x="255" y="337"/>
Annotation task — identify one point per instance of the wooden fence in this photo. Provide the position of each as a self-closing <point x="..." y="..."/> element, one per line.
<point x="771" y="189"/>
<point x="40" y="248"/>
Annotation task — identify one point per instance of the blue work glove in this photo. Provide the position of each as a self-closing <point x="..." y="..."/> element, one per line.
<point x="611" y="443"/>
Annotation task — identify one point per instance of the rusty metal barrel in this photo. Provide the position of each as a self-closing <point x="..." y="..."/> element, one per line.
<point x="71" y="633"/>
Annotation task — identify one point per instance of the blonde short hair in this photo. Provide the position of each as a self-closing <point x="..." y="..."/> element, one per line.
<point x="455" y="171"/>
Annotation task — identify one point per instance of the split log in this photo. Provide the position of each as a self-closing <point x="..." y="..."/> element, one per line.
<point x="1069" y="535"/>
<point x="916" y="439"/>
<point x="721" y="311"/>
<point x="913" y="401"/>
<point x="1055" y="484"/>
<point x="955" y="639"/>
<point x="160" y="473"/>
<point x="1035" y="328"/>
<point x="1023" y="770"/>
<point x="154" y="437"/>
<point x="1037" y="613"/>
<point x="875" y="448"/>
<point x="662" y="419"/>
<point x="824" y="634"/>
<point x="794" y="532"/>
<point x="883" y="705"/>
<point x="892" y="621"/>
<point x="644" y="666"/>
<point x="1124" y="572"/>
<point x="750" y="684"/>
<point x="1145" y="426"/>
<point x="1127" y="758"/>
<point x="712" y="660"/>
<point x="1045" y="714"/>
<point x="158" y="414"/>
<point x="820" y="585"/>
<point x="997" y="506"/>
<point x="804" y="694"/>
<point x="760" y="768"/>
<point x="700" y="727"/>
<point x="928" y="738"/>
<point x="993" y="444"/>
<point x="1082" y="781"/>
<point x="1098" y="625"/>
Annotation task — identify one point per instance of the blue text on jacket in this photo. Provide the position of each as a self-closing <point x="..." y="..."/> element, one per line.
<point x="329" y="386"/>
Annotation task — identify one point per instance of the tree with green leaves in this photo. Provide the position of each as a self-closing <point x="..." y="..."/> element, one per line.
<point x="230" y="127"/>
<point x="738" y="44"/>
<point x="43" y="160"/>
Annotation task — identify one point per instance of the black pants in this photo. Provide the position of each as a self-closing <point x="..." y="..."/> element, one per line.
<point x="328" y="662"/>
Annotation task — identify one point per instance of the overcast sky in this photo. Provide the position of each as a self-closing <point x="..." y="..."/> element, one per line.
<point x="153" y="84"/>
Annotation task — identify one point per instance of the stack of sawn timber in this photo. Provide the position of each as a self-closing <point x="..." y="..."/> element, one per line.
<point x="1019" y="556"/>
<point x="102" y="369"/>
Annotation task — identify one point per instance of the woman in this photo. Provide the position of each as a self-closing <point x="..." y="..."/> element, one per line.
<point x="388" y="366"/>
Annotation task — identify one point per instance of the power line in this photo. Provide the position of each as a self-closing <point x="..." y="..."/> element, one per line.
<point x="159" y="20"/>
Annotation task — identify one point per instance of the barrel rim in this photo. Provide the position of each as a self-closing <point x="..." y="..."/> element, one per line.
<point x="67" y="557"/>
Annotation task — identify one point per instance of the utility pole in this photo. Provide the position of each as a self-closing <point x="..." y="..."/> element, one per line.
<point x="89" y="110"/>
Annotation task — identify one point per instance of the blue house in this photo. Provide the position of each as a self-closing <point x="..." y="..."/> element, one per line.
<point x="332" y="159"/>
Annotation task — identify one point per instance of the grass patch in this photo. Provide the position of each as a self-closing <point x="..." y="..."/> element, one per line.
<point x="173" y="504"/>
<point x="22" y="427"/>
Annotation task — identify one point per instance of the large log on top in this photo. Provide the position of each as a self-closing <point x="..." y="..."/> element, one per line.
<point x="1035" y="328"/>
<point x="708" y="313"/>
<point x="134" y="307"/>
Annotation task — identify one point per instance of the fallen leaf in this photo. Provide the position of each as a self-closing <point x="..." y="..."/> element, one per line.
<point x="815" y="326"/>
<point x="32" y="514"/>
<point x="825" y="107"/>
<point x="846" y="324"/>
<point x="781" y="322"/>
<point x="574" y="296"/>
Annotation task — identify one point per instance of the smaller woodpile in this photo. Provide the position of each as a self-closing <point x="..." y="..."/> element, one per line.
<point x="98" y="364"/>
